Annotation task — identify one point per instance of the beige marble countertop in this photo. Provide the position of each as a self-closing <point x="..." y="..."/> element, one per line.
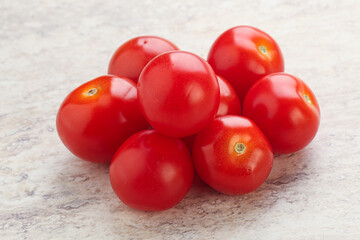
<point x="47" y="48"/>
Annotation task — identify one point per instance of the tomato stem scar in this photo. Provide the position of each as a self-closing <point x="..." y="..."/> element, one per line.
<point x="307" y="98"/>
<point x="92" y="91"/>
<point x="263" y="49"/>
<point x="240" y="148"/>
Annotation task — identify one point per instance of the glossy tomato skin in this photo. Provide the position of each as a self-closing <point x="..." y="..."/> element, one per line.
<point x="97" y="117"/>
<point x="229" y="101"/>
<point x="132" y="56"/>
<point x="232" y="155"/>
<point x="243" y="55"/>
<point x="178" y="93"/>
<point x="229" y="105"/>
<point x="285" y="109"/>
<point x="151" y="172"/>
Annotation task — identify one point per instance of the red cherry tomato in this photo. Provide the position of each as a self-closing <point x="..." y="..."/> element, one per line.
<point x="232" y="155"/>
<point x="285" y="109"/>
<point x="243" y="55"/>
<point x="151" y="171"/>
<point x="229" y="105"/>
<point x="132" y="56"/>
<point x="178" y="93"/>
<point x="189" y="141"/>
<point x="97" y="117"/>
<point x="229" y="101"/>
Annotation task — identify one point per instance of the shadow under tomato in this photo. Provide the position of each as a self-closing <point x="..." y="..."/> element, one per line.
<point x="205" y="208"/>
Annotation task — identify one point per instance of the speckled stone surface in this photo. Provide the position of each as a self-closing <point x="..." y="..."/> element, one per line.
<point x="47" y="48"/>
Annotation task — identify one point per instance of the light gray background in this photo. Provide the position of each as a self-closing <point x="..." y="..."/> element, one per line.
<point x="48" y="48"/>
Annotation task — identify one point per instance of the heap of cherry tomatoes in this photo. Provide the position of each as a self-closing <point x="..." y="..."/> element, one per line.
<point x="162" y="112"/>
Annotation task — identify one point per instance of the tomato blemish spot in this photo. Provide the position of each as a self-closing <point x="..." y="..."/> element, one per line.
<point x="92" y="91"/>
<point x="263" y="49"/>
<point x="307" y="98"/>
<point x="239" y="148"/>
